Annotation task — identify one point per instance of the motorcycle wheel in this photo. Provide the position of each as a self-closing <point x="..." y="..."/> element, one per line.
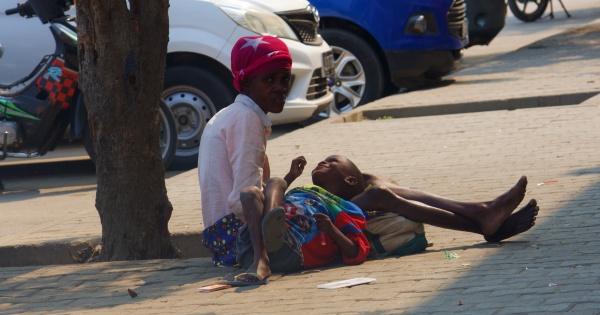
<point x="527" y="10"/>
<point x="167" y="138"/>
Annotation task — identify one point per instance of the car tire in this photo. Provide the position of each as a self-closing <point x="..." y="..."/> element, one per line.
<point x="194" y="96"/>
<point x="359" y="76"/>
<point x="518" y="10"/>
<point x="167" y="137"/>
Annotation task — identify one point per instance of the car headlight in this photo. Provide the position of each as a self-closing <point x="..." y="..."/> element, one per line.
<point x="257" y="20"/>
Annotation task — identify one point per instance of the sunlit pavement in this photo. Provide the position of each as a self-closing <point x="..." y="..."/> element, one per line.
<point x="551" y="269"/>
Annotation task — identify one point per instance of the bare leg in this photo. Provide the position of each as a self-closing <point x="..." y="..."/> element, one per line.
<point x="488" y="215"/>
<point x="384" y="199"/>
<point x="274" y="192"/>
<point x="255" y="205"/>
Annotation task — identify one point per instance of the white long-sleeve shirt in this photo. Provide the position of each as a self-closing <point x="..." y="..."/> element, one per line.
<point x="231" y="157"/>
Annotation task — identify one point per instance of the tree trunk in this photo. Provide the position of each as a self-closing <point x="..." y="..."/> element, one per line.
<point x="122" y="53"/>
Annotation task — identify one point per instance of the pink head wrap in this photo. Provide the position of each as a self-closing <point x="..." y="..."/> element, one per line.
<point x="254" y="55"/>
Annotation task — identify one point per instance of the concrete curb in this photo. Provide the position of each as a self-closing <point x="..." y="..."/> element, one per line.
<point x="60" y="252"/>
<point x="362" y="113"/>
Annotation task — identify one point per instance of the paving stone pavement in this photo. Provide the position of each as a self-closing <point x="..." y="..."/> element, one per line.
<point x="551" y="269"/>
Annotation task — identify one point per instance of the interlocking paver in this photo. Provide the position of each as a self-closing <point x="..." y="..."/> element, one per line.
<point x="553" y="268"/>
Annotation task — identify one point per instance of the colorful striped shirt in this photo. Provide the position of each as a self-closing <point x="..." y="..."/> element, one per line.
<point x="319" y="249"/>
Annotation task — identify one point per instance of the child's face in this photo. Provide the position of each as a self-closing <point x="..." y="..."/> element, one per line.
<point x="331" y="172"/>
<point x="269" y="90"/>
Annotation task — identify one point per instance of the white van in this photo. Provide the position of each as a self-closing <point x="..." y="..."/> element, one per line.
<point x="198" y="79"/>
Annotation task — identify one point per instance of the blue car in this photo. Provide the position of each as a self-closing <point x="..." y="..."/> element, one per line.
<point x="382" y="45"/>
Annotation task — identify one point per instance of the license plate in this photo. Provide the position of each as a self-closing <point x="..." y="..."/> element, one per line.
<point x="328" y="68"/>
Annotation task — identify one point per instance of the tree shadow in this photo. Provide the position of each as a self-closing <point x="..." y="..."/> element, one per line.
<point x="543" y="269"/>
<point x="98" y="286"/>
<point x="586" y="171"/>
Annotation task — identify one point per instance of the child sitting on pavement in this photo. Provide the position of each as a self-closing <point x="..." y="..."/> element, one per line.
<point x="233" y="146"/>
<point x="340" y="177"/>
<point x="308" y="227"/>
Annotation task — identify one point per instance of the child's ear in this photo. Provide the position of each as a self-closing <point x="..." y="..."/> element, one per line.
<point x="351" y="180"/>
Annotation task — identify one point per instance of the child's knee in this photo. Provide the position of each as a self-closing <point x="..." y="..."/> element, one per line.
<point x="250" y="194"/>
<point x="276" y="182"/>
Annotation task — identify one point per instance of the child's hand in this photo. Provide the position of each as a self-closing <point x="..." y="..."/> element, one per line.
<point x="295" y="170"/>
<point x="297" y="166"/>
<point x="324" y="223"/>
<point x="345" y="244"/>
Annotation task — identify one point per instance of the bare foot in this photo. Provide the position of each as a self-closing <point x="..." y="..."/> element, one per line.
<point x="249" y="277"/>
<point x="259" y="270"/>
<point x="517" y="223"/>
<point x="500" y="208"/>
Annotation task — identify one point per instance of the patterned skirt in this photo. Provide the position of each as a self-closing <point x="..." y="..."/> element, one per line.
<point x="220" y="239"/>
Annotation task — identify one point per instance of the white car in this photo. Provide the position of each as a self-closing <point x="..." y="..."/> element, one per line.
<point x="198" y="79"/>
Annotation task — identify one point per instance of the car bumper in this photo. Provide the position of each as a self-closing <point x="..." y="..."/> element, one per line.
<point x="297" y="110"/>
<point x="433" y="64"/>
<point x="486" y="20"/>
<point x="309" y="94"/>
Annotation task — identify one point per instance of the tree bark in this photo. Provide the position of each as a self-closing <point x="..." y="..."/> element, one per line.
<point x="122" y="56"/>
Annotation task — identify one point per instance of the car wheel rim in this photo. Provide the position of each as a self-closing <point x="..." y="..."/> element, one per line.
<point x="191" y="109"/>
<point x="349" y="81"/>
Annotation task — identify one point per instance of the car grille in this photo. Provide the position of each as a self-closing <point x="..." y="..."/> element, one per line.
<point x="317" y="87"/>
<point x="456" y="18"/>
<point x="304" y="24"/>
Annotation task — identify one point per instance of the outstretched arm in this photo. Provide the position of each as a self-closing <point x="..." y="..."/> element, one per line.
<point x="296" y="170"/>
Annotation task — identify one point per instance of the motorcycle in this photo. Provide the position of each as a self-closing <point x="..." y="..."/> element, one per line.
<point x="531" y="10"/>
<point x="37" y="110"/>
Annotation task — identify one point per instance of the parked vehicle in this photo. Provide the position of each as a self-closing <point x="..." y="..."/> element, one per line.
<point x="486" y="20"/>
<point x="531" y="10"/>
<point x="380" y="46"/>
<point x="36" y="110"/>
<point x="198" y="80"/>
